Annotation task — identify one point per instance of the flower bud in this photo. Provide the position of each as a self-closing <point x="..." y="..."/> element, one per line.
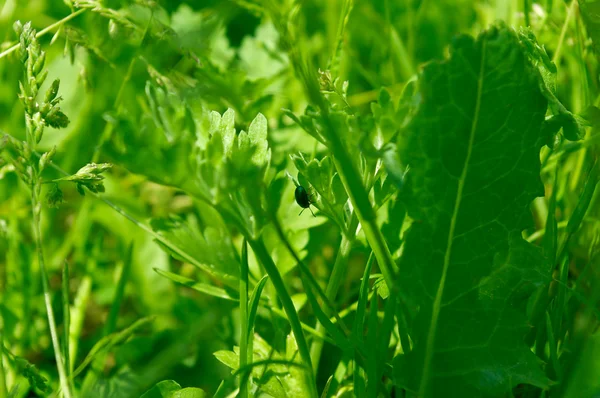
<point x="26" y="152"/>
<point x="18" y="27"/>
<point x="41" y="78"/>
<point x="38" y="133"/>
<point x="47" y="158"/>
<point x="39" y="63"/>
<point x="113" y="29"/>
<point x="52" y="91"/>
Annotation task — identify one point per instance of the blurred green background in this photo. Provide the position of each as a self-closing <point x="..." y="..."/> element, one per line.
<point x="217" y="55"/>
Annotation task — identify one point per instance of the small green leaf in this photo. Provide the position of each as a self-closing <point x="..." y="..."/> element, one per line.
<point x="228" y="358"/>
<point x="584" y="200"/>
<point x="198" y="286"/>
<point x="162" y="389"/>
<point x="257" y="132"/>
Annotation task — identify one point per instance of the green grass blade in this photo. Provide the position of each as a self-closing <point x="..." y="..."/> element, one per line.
<point x="244" y="316"/>
<point x="550" y="241"/>
<point x="360" y="389"/>
<point x="107" y="342"/>
<point x="77" y="317"/>
<point x="254" y="301"/>
<point x="325" y="392"/>
<point x="552" y="344"/>
<point x="584" y="202"/>
<point x="385" y="333"/>
<point x="372" y="357"/>
<point x="198" y="286"/>
<point x="337" y="335"/>
<point x="111" y="321"/>
<point x="3" y="388"/>
<point x="66" y="317"/>
<point x="338" y="273"/>
<point x="357" y="329"/>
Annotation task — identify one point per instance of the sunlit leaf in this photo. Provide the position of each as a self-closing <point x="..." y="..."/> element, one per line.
<point x="473" y="150"/>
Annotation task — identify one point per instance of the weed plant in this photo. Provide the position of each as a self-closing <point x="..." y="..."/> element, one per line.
<point x="155" y="157"/>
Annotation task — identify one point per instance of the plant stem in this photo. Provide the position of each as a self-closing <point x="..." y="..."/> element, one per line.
<point x="36" y="208"/>
<point x="244" y="318"/>
<point x="362" y="206"/>
<point x="265" y="259"/>
<point x="335" y="280"/>
<point x="570" y="11"/>
<point x="44" y="31"/>
<point x="3" y="389"/>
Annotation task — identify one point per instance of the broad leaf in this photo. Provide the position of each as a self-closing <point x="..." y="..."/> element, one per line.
<point x="472" y="145"/>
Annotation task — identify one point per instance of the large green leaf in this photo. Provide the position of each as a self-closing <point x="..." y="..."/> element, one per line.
<point x="472" y="145"/>
<point x="590" y="11"/>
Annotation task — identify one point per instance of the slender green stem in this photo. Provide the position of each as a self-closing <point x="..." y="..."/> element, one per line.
<point x="362" y="206"/>
<point x="563" y="32"/>
<point x="307" y="276"/>
<point x="44" y="31"/>
<point x="265" y="259"/>
<point x="244" y="317"/>
<point x="3" y="389"/>
<point x="60" y="365"/>
<point x="335" y="280"/>
<point x="66" y="322"/>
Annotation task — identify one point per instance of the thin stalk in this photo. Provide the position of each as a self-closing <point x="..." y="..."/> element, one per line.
<point x="66" y="321"/>
<point x="335" y="280"/>
<point x="60" y="365"/>
<point x="362" y="206"/>
<point x="307" y="277"/>
<point x="3" y="389"/>
<point x="244" y="317"/>
<point x="288" y="306"/>
<point x="44" y="31"/>
<point x="563" y="32"/>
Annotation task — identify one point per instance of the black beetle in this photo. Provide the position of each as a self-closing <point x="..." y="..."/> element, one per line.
<point x="303" y="199"/>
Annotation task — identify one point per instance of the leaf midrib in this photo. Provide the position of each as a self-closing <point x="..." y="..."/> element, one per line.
<point x="429" y="348"/>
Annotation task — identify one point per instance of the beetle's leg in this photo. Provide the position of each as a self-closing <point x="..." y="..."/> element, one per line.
<point x="302" y="211"/>
<point x="311" y="211"/>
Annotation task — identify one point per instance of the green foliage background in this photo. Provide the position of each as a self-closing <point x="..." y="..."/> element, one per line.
<point x="450" y="148"/>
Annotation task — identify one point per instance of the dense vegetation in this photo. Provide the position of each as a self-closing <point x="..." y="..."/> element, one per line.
<point x="155" y="157"/>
